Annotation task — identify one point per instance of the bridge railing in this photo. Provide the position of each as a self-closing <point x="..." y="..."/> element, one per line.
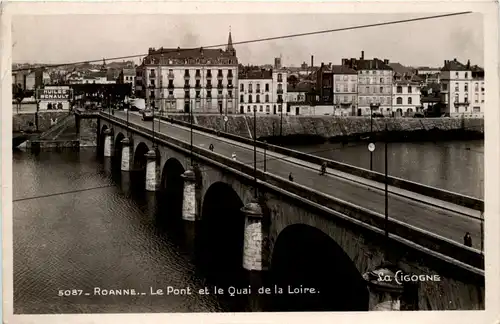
<point x="441" y="194"/>
<point x="414" y="237"/>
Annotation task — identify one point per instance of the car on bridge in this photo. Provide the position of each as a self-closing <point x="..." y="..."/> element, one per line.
<point x="147" y="114"/>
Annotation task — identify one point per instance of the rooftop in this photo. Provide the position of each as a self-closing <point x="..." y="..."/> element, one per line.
<point x="185" y="55"/>
<point x="342" y="69"/>
<point x="300" y="87"/>
<point x="400" y="69"/>
<point x="256" y="75"/>
<point x="374" y="64"/>
<point x="455" y="65"/>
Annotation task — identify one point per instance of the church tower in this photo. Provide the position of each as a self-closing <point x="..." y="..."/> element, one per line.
<point x="229" y="47"/>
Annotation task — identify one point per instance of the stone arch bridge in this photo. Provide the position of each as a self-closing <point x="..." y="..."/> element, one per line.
<point x="273" y="225"/>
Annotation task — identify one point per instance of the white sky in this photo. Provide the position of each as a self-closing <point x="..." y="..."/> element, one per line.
<point x="68" y="38"/>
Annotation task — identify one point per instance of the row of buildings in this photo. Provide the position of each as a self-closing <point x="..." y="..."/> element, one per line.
<point x="213" y="81"/>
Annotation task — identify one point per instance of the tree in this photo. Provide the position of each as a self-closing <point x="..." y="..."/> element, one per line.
<point x="18" y="94"/>
<point x="293" y="80"/>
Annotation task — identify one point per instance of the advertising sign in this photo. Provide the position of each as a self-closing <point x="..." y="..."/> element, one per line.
<point x="54" y="94"/>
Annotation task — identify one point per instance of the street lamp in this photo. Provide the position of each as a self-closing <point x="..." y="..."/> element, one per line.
<point x="386" y="187"/>
<point x="265" y="157"/>
<point x="153" y="121"/>
<point x="255" y="148"/>
<point x="372" y="106"/>
<point x="280" y="105"/>
<point x="191" y="128"/>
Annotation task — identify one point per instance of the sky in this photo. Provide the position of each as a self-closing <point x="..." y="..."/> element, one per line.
<point x="71" y="38"/>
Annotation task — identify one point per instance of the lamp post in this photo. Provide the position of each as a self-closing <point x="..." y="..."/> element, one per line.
<point x="265" y="157"/>
<point x="255" y="148"/>
<point x="191" y="128"/>
<point x="386" y="187"/>
<point x="280" y="105"/>
<point x="153" y="122"/>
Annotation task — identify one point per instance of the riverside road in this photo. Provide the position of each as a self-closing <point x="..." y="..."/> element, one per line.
<point x="443" y="219"/>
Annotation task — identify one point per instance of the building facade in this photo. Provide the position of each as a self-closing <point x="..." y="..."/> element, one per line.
<point x="406" y="98"/>
<point x="262" y="90"/>
<point x="477" y="91"/>
<point x="345" y="90"/>
<point x="127" y="76"/>
<point x="458" y="88"/>
<point x="198" y="80"/>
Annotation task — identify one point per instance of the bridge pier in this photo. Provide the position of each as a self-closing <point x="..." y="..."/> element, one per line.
<point x="152" y="179"/>
<point x="126" y="155"/>
<point x="108" y="143"/>
<point x="253" y="238"/>
<point x="385" y="291"/>
<point x="189" y="196"/>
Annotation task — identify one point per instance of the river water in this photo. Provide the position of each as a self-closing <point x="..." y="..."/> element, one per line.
<point x="451" y="165"/>
<point x="80" y="225"/>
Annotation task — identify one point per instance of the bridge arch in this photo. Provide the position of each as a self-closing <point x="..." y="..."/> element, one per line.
<point x="172" y="188"/>
<point x="221" y="235"/>
<point x="140" y="160"/>
<point x="304" y="255"/>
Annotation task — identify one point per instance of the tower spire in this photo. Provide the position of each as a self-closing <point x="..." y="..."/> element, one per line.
<point x="229" y="47"/>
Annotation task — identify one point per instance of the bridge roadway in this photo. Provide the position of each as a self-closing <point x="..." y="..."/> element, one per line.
<point x="441" y="218"/>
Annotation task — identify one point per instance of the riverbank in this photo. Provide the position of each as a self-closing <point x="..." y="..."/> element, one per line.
<point x="318" y="129"/>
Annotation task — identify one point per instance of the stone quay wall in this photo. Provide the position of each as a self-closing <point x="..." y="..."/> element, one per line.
<point x="328" y="127"/>
<point x="26" y="122"/>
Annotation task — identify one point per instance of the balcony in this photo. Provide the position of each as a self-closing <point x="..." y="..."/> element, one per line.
<point x="209" y="86"/>
<point x="250" y="91"/>
<point x="220" y="86"/>
<point x="187" y="86"/>
<point x="220" y="97"/>
<point x="170" y="86"/>
<point x="170" y="96"/>
<point x="198" y="99"/>
<point x="230" y="86"/>
<point x="151" y="86"/>
<point x="209" y="76"/>
<point x="170" y="76"/>
<point x="461" y="103"/>
<point x="197" y="76"/>
<point x="257" y="91"/>
<point x="220" y="77"/>
<point x="279" y="91"/>
<point x="186" y="77"/>
<point x="197" y="86"/>
<point x="230" y="76"/>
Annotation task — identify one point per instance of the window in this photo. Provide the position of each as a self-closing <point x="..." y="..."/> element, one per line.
<point x="198" y="72"/>
<point x="476" y="98"/>
<point x="466" y="74"/>
<point x="267" y="109"/>
<point x="257" y="98"/>
<point x="261" y="109"/>
<point x="367" y="90"/>
<point x="170" y="83"/>
<point x="280" y="98"/>
<point x="258" y="87"/>
<point x="197" y="94"/>
<point x="267" y="98"/>
<point x="186" y="72"/>
<point x="466" y="97"/>
<point x="170" y="92"/>
<point x="456" y="87"/>
<point x="209" y="95"/>
<point x="242" y="98"/>
<point x="456" y="97"/>
<point x="346" y="88"/>
<point x="399" y="89"/>
<point x="250" y="99"/>
<point x="230" y="94"/>
<point x="255" y="108"/>
<point x="250" y="88"/>
<point x="242" y="87"/>
<point x="337" y="77"/>
<point x="248" y="109"/>
<point x="186" y="94"/>
<point x="220" y="92"/>
<point x="186" y="83"/>
<point x="445" y="86"/>
<point x="353" y="88"/>
<point x="374" y="89"/>
<point x="399" y="101"/>
<point x="476" y="87"/>
<point x="280" y="86"/>
<point x="337" y="87"/>
<point x="345" y="99"/>
<point x="466" y="87"/>
<point x="280" y="77"/>
<point x="381" y="80"/>
<point x="409" y="89"/>
<point x="456" y="75"/>
<point x="267" y="87"/>
<point x="409" y="101"/>
<point x="381" y="89"/>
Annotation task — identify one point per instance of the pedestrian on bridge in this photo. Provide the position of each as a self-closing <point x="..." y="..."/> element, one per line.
<point x="323" y="168"/>
<point x="290" y="177"/>
<point x="211" y="147"/>
<point x="233" y="156"/>
<point x="468" y="240"/>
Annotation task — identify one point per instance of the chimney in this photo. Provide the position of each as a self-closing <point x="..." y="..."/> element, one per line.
<point x="468" y="64"/>
<point x="322" y="65"/>
<point x="362" y="55"/>
<point x="386" y="62"/>
<point x="454" y="60"/>
<point x="312" y="60"/>
<point x="445" y="62"/>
